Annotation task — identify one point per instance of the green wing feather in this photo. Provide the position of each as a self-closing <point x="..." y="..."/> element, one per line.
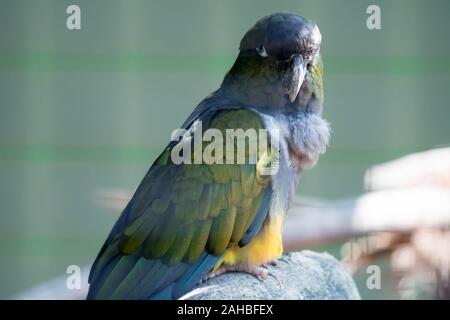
<point x="179" y="212"/>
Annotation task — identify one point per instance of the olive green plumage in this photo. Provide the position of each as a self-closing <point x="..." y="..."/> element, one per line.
<point x="183" y="211"/>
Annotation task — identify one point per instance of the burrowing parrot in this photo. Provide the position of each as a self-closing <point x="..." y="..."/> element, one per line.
<point x="191" y="221"/>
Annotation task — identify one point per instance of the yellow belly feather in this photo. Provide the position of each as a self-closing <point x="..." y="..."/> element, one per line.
<point x="265" y="247"/>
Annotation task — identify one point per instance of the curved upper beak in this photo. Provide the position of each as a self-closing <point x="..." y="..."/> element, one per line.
<point x="292" y="73"/>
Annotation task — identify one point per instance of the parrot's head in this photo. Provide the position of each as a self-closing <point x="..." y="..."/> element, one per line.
<point x="278" y="57"/>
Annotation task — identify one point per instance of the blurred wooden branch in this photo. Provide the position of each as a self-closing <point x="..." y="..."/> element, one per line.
<point x="428" y="168"/>
<point x="387" y="210"/>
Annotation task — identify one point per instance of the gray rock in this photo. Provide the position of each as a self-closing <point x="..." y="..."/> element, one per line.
<point x="298" y="276"/>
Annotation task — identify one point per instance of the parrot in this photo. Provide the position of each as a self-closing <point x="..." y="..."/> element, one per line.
<point x="189" y="222"/>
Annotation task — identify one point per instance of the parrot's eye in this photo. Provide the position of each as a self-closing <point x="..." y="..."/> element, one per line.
<point x="262" y="51"/>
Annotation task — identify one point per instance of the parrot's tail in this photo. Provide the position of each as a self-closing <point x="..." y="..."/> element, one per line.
<point x="136" y="278"/>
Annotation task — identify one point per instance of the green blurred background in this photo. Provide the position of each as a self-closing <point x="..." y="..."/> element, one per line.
<point x="89" y="109"/>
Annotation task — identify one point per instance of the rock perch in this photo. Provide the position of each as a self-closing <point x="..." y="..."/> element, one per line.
<point x="298" y="276"/>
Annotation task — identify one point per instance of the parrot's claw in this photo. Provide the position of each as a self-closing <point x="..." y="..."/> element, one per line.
<point x="250" y="268"/>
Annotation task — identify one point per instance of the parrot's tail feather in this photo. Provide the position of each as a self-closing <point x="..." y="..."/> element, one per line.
<point x="123" y="266"/>
<point x="194" y="274"/>
<point x="152" y="283"/>
<point x="138" y="278"/>
<point x="109" y="251"/>
<point x="143" y="272"/>
<point x="174" y="284"/>
<point x="95" y="285"/>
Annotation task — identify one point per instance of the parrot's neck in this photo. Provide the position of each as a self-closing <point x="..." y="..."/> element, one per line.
<point x="303" y="137"/>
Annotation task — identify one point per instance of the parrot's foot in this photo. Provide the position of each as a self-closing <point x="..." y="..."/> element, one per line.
<point x="251" y="268"/>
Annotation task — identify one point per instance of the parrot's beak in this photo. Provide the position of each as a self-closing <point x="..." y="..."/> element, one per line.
<point x="292" y="73"/>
